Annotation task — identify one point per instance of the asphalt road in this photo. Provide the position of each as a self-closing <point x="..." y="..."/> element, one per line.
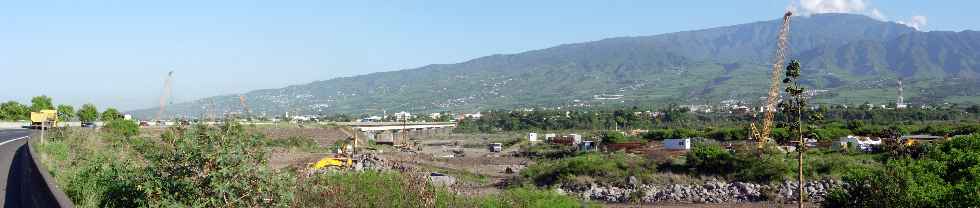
<point x="10" y="134"/>
<point x="23" y="183"/>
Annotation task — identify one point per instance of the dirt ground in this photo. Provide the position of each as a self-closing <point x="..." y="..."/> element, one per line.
<point x="463" y="156"/>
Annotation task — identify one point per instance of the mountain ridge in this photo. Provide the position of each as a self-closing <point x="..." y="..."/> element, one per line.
<point x="689" y="66"/>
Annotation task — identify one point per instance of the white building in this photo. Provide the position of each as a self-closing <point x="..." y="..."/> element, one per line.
<point x="677" y="144"/>
<point x="435" y="116"/>
<point x="532" y="137"/>
<point x="402" y="116"/>
<point x="476" y="115"/>
<point x="864" y="143"/>
<point x="301" y="118"/>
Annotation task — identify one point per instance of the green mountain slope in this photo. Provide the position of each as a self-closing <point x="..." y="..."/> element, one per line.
<point x="854" y="58"/>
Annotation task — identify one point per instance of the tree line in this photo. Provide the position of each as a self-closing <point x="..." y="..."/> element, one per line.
<point x="679" y="122"/>
<point x="15" y="111"/>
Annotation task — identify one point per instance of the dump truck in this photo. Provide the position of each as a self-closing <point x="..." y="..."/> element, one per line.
<point x="44" y="119"/>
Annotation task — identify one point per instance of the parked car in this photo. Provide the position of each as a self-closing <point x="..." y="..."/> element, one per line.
<point x="495" y="147"/>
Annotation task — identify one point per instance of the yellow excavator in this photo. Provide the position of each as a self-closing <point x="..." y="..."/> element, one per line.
<point x="343" y="159"/>
<point x="338" y="161"/>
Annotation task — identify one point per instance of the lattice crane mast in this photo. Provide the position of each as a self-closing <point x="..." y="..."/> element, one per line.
<point x="245" y="113"/>
<point x="167" y="85"/>
<point x="762" y="136"/>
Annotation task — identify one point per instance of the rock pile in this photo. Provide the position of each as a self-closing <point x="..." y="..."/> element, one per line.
<point x="709" y="192"/>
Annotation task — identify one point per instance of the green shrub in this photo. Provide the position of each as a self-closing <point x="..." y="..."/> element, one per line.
<point x="947" y="176"/>
<point x="369" y="189"/>
<point x="711" y="159"/>
<point x="105" y="182"/>
<point x="88" y="173"/>
<point x="727" y="134"/>
<point x="614" y="137"/>
<point x="552" y="151"/>
<point x="762" y="169"/>
<point x="393" y="189"/>
<point x="213" y="166"/>
<point x="680" y="133"/>
<point x="125" y="128"/>
<point x="532" y="198"/>
<point x="603" y="168"/>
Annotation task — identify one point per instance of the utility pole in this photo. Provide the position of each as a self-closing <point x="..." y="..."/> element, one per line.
<point x="42" y="130"/>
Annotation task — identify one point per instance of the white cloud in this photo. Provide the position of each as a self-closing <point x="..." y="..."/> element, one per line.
<point x="832" y="6"/>
<point x="875" y="13"/>
<point x="864" y="7"/>
<point x="917" y="22"/>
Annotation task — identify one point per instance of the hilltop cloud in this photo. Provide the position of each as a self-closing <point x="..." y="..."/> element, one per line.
<point x="832" y="6"/>
<point x="810" y="7"/>
<point x="916" y="22"/>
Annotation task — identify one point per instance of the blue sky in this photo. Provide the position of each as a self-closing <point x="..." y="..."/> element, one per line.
<point x="116" y="53"/>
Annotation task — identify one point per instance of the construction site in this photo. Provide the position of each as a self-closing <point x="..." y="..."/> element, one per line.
<point x="618" y="122"/>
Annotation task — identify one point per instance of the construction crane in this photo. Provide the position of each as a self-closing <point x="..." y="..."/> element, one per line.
<point x="167" y="85"/>
<point x="245" y="110"/>
<point x="763" y="135"/>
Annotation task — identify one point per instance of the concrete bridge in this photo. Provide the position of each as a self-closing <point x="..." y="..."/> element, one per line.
<point x="397" y="132"/>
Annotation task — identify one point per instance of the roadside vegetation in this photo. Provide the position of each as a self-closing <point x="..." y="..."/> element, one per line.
<point x="945" y="175"/>
<point x="392" y="189"/>
<point x="226" y="165"/>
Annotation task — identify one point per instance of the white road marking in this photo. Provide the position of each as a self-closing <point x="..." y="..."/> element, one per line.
<point x="2" y="143"/>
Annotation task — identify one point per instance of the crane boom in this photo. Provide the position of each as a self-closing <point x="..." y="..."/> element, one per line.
<point x="241" y="99"/>
<point x="167" y="85"/>
<point x="782" y="48"/>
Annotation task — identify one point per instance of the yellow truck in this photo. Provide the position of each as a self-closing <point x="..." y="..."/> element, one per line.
<point x="45" y="119"/>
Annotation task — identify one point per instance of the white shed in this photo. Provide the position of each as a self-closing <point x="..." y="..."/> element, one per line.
<point x="532" y="137"/>
<point x="677" y="144"/>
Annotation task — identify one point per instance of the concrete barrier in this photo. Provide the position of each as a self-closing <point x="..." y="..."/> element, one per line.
<point x="13" y="124"/>
<point x="21" y="124"/>
<point x="25" y="181"/>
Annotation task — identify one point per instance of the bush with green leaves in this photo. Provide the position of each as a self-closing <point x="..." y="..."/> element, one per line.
<point x="615" y="137"/>
<point x="394" y="189"/>
<point x="103" y="181"/>
<point x="212" y="166"/>
<point x="711" y="159"/>
<point x="111" y="114"/>
<point x="124" y="128"/>
<point x="12" y="111"/>
<point x="948" y="175"/>
<point x="531" y="198"/>
<point x="204" y="166"/>
<point x="88" y="113"/>
<point x="771" y="165"/>
<point x="611" y="168"/>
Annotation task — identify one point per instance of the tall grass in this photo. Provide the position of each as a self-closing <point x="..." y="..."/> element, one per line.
<point x="394" y="189"/>
<point x="225" y="166"/>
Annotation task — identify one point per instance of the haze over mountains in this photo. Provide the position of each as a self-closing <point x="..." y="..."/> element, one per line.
<point x="851" y="59"/>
